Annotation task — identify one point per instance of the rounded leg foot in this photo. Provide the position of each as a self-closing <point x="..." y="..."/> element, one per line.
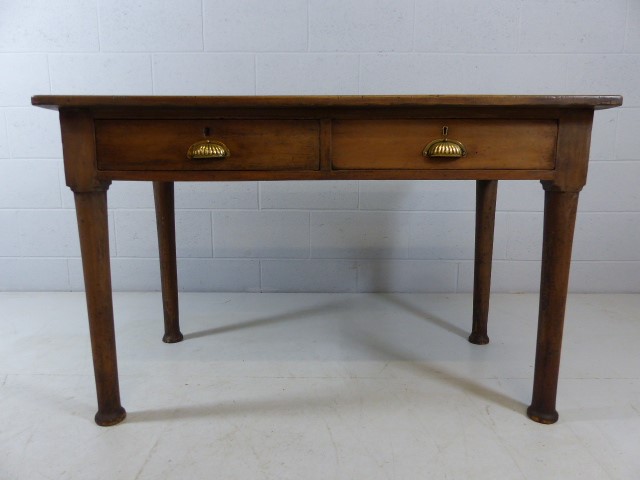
<point x="107" y="419"/>
<point x="479" y="338"/>
<point x="546" y="418"/>
<point x="172" y="337"/>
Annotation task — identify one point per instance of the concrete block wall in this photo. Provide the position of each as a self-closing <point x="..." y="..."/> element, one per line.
<point x="302" y="236"/>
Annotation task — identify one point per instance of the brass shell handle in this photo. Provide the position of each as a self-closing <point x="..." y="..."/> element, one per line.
<point x="444" y="148"/>
<point x="208" y="149"/>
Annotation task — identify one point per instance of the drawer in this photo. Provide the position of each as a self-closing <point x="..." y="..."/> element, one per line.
<point x="260" y="144"/>
<point x="399" y="143"/>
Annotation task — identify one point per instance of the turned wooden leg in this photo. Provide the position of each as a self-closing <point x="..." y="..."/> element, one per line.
<point x="165" y="219"/>
<point x="486" y="192"/>
<point x="559" y="221"/>
<point x="91" y="210"/>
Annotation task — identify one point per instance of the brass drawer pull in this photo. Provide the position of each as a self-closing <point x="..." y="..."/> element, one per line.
<point x="208" y="149"/>
<point x="444" y="148"/>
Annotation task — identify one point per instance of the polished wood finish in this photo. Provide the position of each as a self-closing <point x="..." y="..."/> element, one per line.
<point x="320" y="101"/>
<point x="486" y="193"/>
<point x="90" y="195"/>
<point x="79" y="151"/>
<point x="162" y="145"/>
<point x="324" y="174"/>
<point x="560" y="208"/>
<point x="327" y="138"/>
<point x="91" y="210"/>
<point x="559" y="219"/>
<point x="163" y="194"/>
<point x="394" y="144"/>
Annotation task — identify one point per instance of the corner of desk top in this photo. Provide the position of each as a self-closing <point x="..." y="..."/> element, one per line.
<point x="44" y="101"/>
<point x="609" y="101"/>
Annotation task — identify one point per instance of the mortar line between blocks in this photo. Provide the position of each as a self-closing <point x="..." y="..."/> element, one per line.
<point x="202" y="23"/>
<point x="309" y="225"/>
<point x="213" y="245"/>
<point x="6" y="129"/>
<point x="68" y="275"/>
<point x="49" y="72"/>
<point x="153" y="75"/>
<point x="360" y="74"/>
<point x="151" y="72"/>
<point x="413" y="25"/>
<point x="626" y="26"/>
<point x="98" y="25"/>
<point x="61" y="186"/>
<point x="616" y="132"/>
<point x="457" y="282"/>
<point x="308" y="26"/>
<point x="255" y="74"/>
<point x="259" y="193"/>
<point x="566" y="72"/>
<point x="519" y="31"/>
<point x="507" y="227"/>
<point x="115" y="233"/>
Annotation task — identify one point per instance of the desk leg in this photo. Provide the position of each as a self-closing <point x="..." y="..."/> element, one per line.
<point x="486" y="192"/>
<point x="559" y="221"/>
<point x="91" y="210"/>
<point x="165" y="220"/>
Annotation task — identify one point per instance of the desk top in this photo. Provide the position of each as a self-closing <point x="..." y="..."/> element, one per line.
<point x="358" y="101"/>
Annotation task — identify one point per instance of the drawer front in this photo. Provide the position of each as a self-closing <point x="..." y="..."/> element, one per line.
<point x="261" y="144"/>
<point x="399" y="144"/>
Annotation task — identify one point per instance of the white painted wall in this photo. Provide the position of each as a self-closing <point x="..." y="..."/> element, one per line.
<point x="299" y="236"/>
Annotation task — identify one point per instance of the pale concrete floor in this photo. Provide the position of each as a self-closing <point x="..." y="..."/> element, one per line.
<point x="318" y="386"/>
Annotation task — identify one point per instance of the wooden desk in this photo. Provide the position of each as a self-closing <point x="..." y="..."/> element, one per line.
<point x="167" y="139"/>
